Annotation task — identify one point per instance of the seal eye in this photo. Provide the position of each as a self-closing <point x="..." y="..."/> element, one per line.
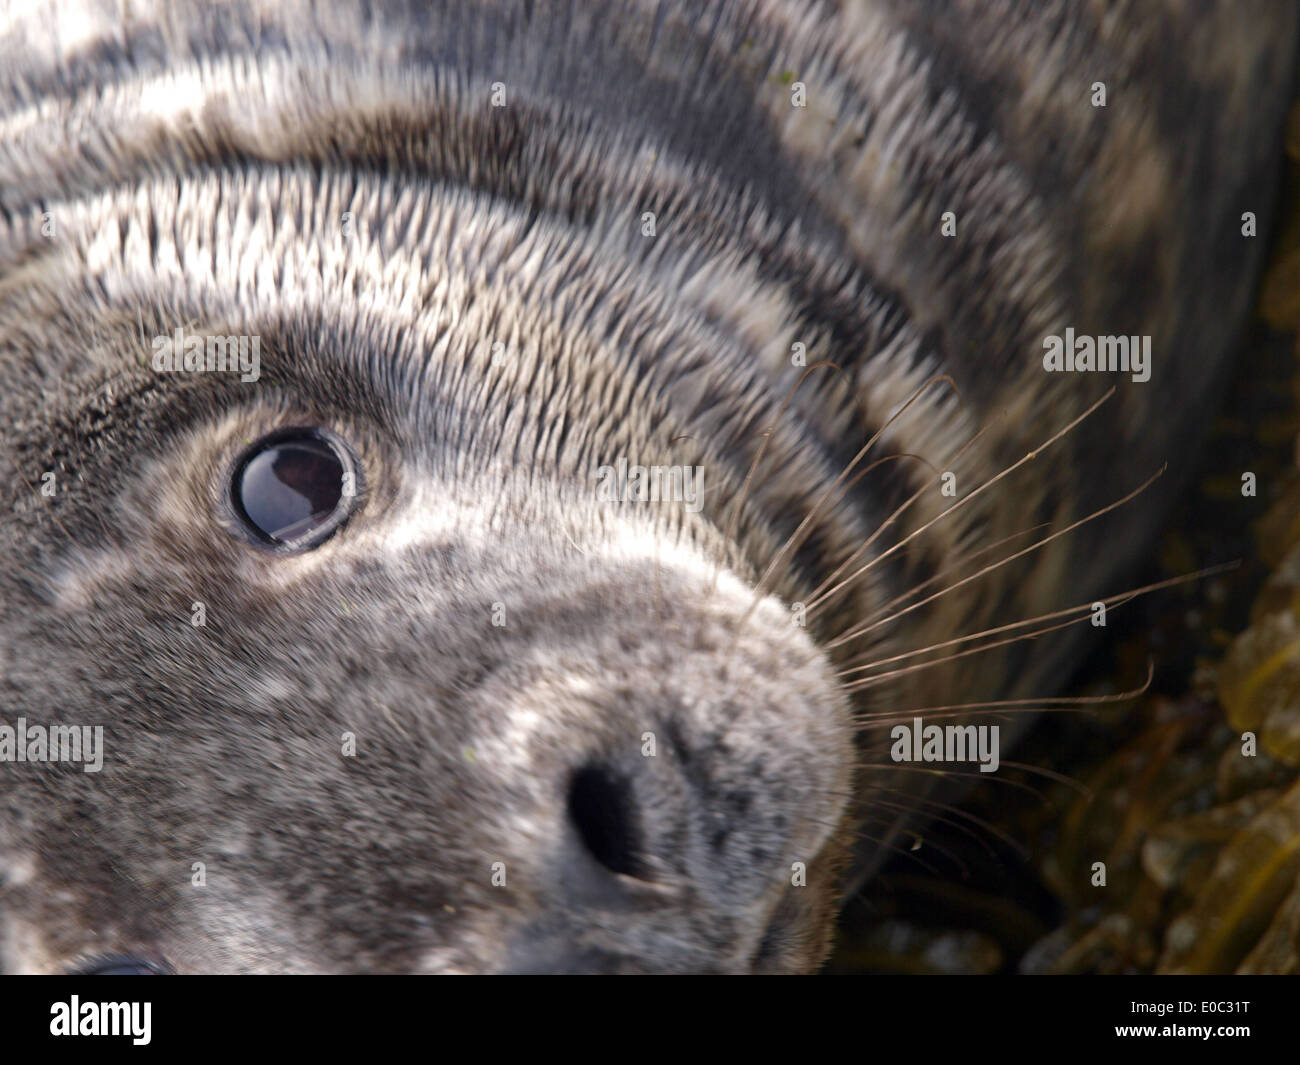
<point x="294" y="488"/>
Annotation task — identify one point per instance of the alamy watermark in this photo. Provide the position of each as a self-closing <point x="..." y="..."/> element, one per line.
<point x="1086" y="354"/>
<point x="74" y="1017"/>
<point x="54" y="743"/>
<point x="204" y="353"/>
<point x="626" y="482"/>
<point x="920" y="742"/>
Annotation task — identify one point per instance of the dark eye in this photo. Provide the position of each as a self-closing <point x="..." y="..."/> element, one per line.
<point x="120" y="965"/>
<point x="294" y="488"/>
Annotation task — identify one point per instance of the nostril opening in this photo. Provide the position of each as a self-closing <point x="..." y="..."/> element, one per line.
<point x="602" y="809"/>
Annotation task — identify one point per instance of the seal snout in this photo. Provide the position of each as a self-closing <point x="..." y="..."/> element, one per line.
<point x="687" y="782"/>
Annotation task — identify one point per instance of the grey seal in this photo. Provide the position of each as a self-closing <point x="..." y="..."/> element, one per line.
<point x="496" y="473"/>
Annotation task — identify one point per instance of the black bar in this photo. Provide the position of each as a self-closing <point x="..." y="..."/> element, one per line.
<point x="870" y="1015"/>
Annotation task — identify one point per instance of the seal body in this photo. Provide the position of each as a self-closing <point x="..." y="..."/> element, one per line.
<point x="515" y="713"/>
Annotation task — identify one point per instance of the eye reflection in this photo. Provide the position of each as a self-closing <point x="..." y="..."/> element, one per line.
<point x="293" y="488"/>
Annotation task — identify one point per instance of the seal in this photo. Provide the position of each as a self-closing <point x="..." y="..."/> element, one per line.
<point x="496" y="473"/>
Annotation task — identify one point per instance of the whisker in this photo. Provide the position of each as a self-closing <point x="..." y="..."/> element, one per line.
<point x="1028" y="457"/>
<point x="925" y="840"/>
<point x="896" y="848"/>
<point x="1068" y="700"/>
<point x="801" y="531"/>
<point x="951" y="771"/>
<point x="1053" y="775"/>
<point x="950" y="568"/>
<point x="951" y="817"/>
<point x="903" y="717"/>
<point x="1065" y="700"/>
<point x="867" y="682"/>
<point x="742" y="496"/>
<point x="1114" y="600"/>
<point x="736" y="507"/>
<point x="866" y="628"/>
<point x="823" y="590"/>
<point x="961" y="654"/>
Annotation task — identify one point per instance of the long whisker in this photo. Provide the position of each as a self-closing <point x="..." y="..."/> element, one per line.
<point x="742" y="496"/>
<point x="1067" y="701"/>
<point x="869" y="627"/>
<point x="1118" y="599"/>
<point x="1053" y="775"/>
<point x="1032" y="770"/>
<point x="936" y="819"/>
<point x="801" y="532"/>
<point x="823" y="590"/>
<point x="820" y="592"/>
<point x="867" y="682"/>
<point x="991" y="778"/>
<point x="903" y="717"/>
<point x="952" y="567"/>
<point x="957" y="812"/>
<point x="1028" y="457"/>
<point x="896" y="848"/>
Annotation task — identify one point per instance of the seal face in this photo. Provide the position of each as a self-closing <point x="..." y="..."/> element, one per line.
<point x="495" y="475"/>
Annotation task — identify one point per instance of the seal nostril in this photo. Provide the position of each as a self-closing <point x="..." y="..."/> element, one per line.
<point x="602" y="809"/>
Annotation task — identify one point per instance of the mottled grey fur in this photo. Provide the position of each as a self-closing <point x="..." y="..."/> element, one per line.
<point x="340" y="184"/>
